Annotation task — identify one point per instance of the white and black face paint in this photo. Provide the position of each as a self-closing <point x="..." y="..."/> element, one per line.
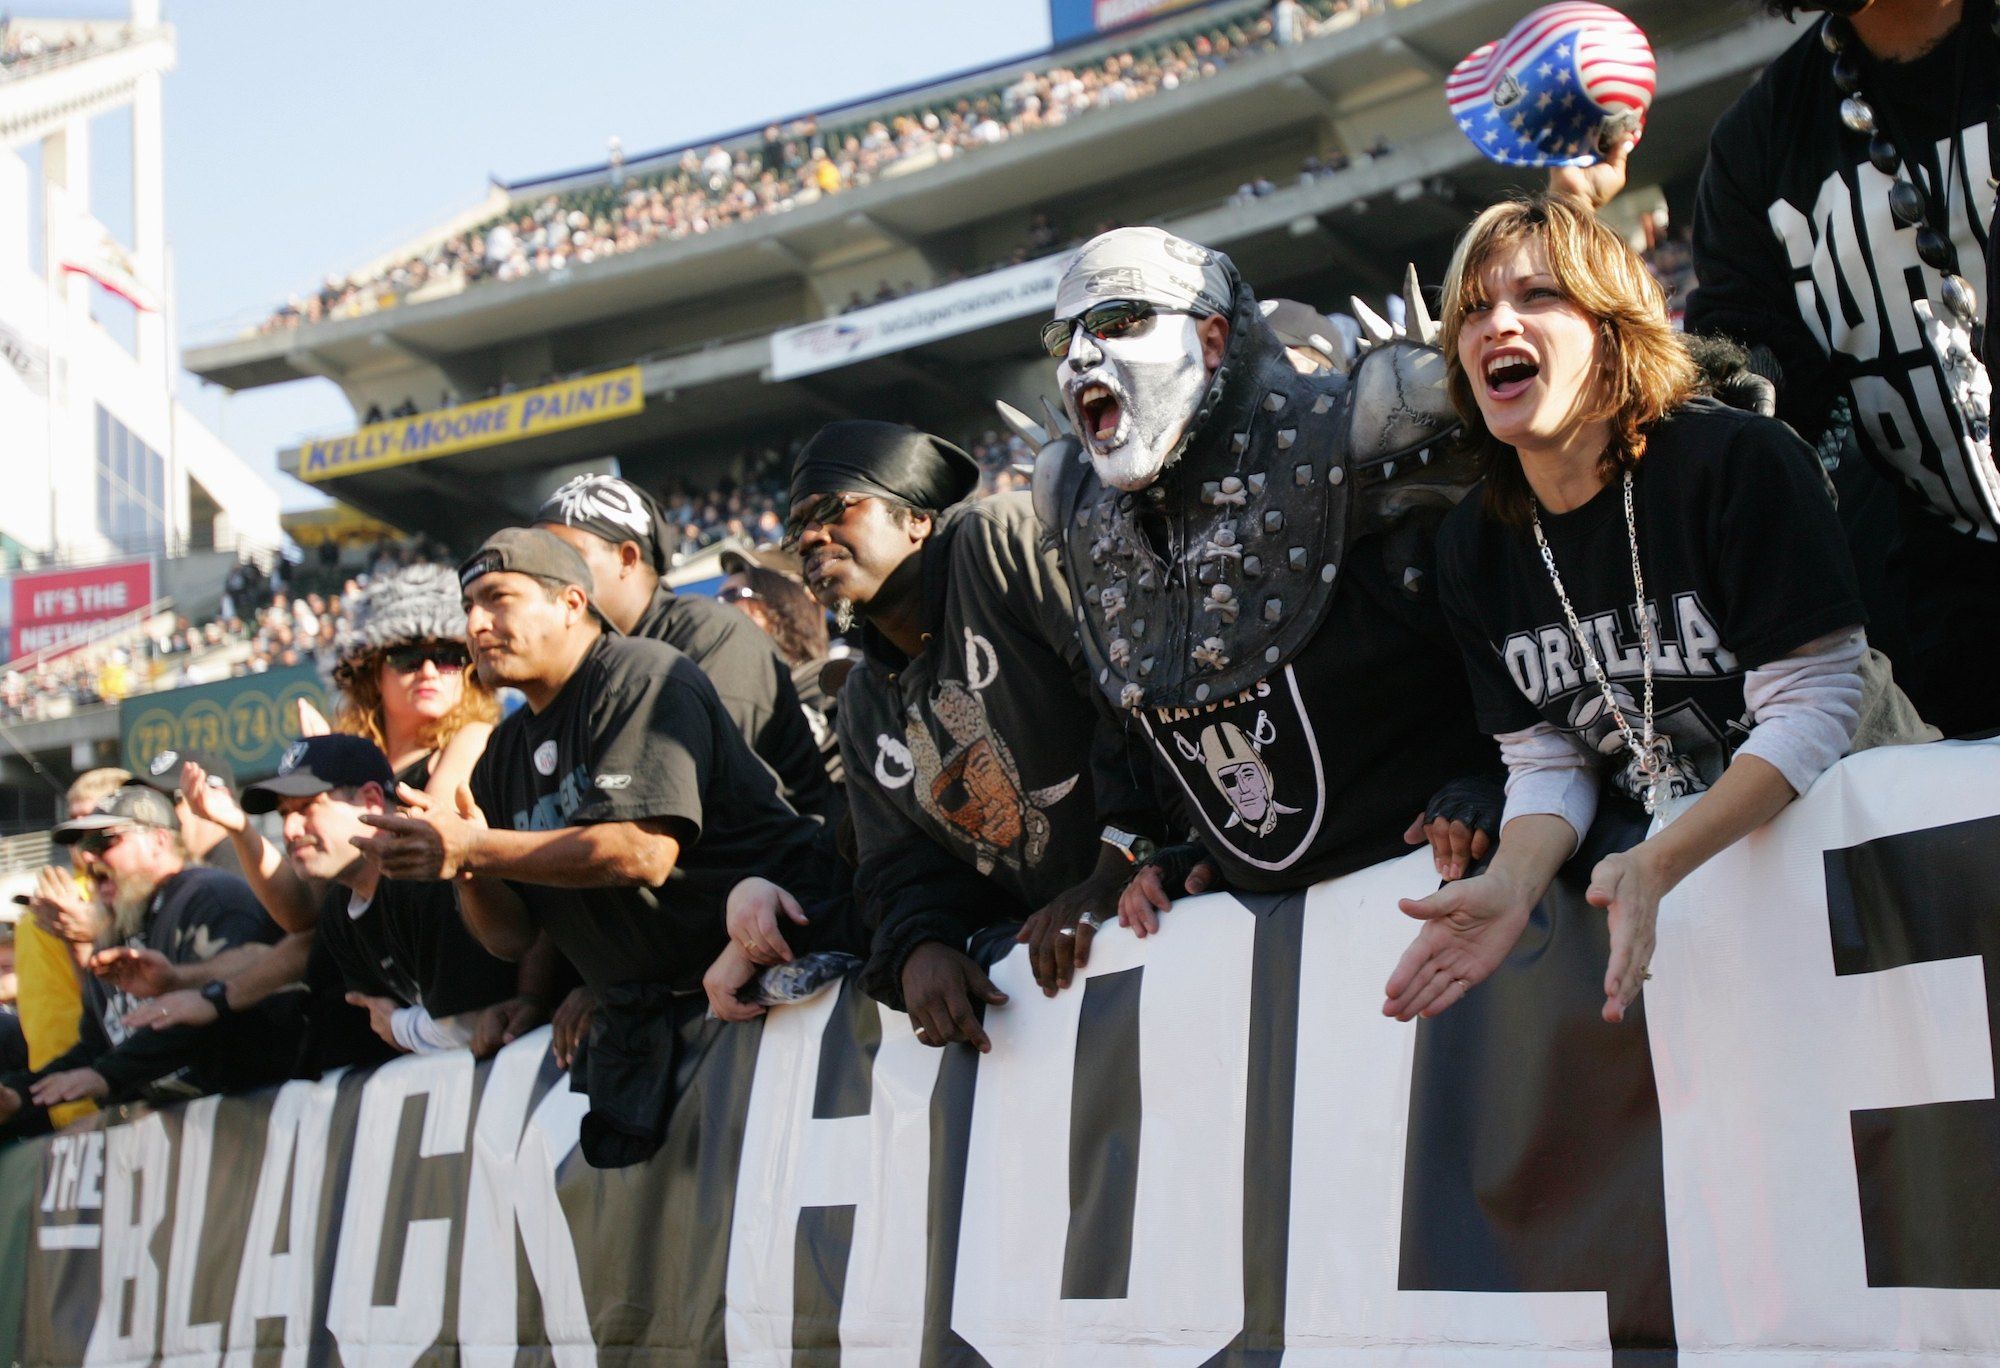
<point x="1131" y="398"/>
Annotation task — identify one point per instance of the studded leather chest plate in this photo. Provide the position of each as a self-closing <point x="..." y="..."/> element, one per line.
<point x="1194" y="589"/>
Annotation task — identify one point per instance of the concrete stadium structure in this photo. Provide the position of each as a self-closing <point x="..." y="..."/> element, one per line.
<point x="703" y="317"/>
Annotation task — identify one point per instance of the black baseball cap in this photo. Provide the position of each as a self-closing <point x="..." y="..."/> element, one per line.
<point x="163" y="771"/>
<point x="320" y="764"/>
<point x="531" y="551"/>
<point x="133" y="805"/>
<point x="735" y="561"/>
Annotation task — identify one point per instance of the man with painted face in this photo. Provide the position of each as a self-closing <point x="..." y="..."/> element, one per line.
<point x="1250" y="546"/>
<point x="621" y="533"/>
<point x="984" y="782"/>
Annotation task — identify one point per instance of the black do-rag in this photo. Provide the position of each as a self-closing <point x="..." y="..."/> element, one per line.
<point x="888" y="460"/>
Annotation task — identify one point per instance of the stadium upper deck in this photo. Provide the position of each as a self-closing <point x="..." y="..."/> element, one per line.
<point x="698" y="315"/>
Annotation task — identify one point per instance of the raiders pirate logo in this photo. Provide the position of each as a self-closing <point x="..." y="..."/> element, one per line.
<point x="1250" y="767"/>
<point x="1117" y="281"/>
<point x="602" y="498"/>
<point x="1509" y="92"/>
<point x="294" y="755"/>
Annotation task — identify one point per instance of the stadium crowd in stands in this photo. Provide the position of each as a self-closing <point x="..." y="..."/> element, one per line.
<point x="796" y="164"/>
<point x="22" y="50"/>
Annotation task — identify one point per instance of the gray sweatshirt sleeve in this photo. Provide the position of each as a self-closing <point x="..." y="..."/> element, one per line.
<point x="1547" y="773"/>
<point x="1806" y="706"/>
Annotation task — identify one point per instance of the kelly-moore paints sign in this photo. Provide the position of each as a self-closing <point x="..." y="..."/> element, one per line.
<point x="1212" y="1149"/>
<point x="900" y="324"/>
<point x="509" y="418"/>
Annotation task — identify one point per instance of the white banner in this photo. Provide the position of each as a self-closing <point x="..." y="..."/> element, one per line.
<point x="960" y="307"/>
<point x="1214" y="1143"/>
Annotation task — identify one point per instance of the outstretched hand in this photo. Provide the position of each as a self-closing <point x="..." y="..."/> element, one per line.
<point x="211" y="801"/>
<point x="1468" y="929"/>
<point x="141" y="972"/>
<point x="1627" y="887"/>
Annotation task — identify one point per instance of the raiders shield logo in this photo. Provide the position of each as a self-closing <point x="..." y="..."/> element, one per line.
<point x="1250" y="766"/>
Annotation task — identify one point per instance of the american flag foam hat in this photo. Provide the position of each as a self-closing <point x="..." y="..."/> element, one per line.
<point x="1566" y="82"/>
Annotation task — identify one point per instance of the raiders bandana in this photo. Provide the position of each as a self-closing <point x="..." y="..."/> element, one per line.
<point x="608" y="507"/>
<point x="1148" y="264"/>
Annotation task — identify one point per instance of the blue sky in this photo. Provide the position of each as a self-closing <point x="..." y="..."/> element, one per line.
<point x="303" y="138"/>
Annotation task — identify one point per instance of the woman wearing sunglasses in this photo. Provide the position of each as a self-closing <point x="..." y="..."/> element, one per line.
<point x="1651" y="592"/>
<point x="405" y="684"/>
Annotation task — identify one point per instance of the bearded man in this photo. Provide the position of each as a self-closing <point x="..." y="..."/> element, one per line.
<point x="157" y="899"/>
<point x="1250" y="547"/>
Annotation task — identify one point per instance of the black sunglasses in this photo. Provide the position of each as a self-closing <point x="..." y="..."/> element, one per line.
<point x="446" y="655"/>
<point x="824" y="509"/>
<point x="97" y="842"/>
<point x="1113" y="318"/>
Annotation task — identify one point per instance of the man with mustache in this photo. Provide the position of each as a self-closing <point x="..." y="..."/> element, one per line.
<point x="615" y="812"/>
<point x="157" y="899"/>
<point x="1250" y="547"/>
<point x="621" y="533"/>
<point x="984" y="782"/>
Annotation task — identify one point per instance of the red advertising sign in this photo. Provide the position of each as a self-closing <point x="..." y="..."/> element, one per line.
<point x="53" y="608"/>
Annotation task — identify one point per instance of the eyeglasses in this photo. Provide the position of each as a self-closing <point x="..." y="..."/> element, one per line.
<point x="1113" y="318"/>
<point x="446" y="655"/>
<point x="736" y="595"/>
<point x="824" y="509"/>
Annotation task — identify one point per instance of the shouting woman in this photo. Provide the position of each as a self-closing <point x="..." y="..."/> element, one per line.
<point x="1650" y="589"/>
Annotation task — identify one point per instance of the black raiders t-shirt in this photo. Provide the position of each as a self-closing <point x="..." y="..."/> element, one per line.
<point x="1318" y="769"/>
<point x="1744" y="562"/>
<point x="755" y="686"/>
<point x="1796" y="249"/>
<point x="194" y="915"/>
<point x="638" y="732"/>
<point x="409" y="943"/>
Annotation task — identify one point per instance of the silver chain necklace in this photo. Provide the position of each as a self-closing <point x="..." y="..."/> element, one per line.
<point x="1648" y="765"/>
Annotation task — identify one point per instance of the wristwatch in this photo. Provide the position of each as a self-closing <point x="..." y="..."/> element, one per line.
<point x="216" y="994"/>
<point x="1135" y="849"/>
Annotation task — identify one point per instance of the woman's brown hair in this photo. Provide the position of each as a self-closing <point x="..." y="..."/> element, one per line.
<point x="1647" y="372"/>
<point x="360" y="712"/>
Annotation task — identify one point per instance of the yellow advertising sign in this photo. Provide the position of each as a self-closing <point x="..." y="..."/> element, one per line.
<point x="529" y="413"/>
